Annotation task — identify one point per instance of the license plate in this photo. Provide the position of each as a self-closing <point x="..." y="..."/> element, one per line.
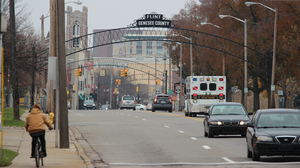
<point x="163" y="102"/>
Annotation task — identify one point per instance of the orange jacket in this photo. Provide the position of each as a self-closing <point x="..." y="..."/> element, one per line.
<point x="36" y="121"/>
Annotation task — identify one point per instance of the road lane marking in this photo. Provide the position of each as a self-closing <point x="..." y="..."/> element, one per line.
<point x="136" y="116"/>
<point x="193" y="138"/>
<point x="181" y="131"/>
<point x="166" y="126"/>
<point x="129" y="115"/>
<point x="144" y="119"/>
<point x="228" y="160"/>
<point x="206" y="147"/>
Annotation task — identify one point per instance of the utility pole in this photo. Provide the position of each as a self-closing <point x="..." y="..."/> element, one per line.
<point x="62" y="83"/>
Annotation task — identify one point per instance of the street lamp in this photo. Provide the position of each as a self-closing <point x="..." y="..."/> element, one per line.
<point x="191" y="50"/>
<point x="105" y="92"/>
<point x="180" y="77"/>
<point x="245" y="56"/>
<point x="272" y="104"/>
<point x="207" y="23"/>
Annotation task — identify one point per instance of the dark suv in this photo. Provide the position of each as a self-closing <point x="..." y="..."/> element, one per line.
<point x="162" y="102"/>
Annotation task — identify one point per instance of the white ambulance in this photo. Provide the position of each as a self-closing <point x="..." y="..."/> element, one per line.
<point x="203" y="91"/>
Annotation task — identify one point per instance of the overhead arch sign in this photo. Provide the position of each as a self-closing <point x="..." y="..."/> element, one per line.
<point x="153" y="20"/>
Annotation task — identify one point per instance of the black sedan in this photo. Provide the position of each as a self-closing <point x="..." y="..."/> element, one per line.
<point x="273" y="132"/>
<point x="225" y="118"/>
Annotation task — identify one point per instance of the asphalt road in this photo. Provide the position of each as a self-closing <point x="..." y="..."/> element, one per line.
<point x="126" y="138"/>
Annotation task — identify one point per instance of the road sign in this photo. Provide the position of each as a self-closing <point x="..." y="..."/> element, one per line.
<point x="170" y="91"/>
<point x="102" y="72"/>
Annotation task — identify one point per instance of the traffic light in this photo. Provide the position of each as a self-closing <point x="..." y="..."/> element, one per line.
<point x="137" y="89"/>
<point x="156" y="82"/>
<point x="125" y="72"/>
<point x="117" y="81"/>
<point x="76" y="72"/>
<point x="151" y="89"/>
<point x="80" y="71"/>
<point x="122" y="73"/>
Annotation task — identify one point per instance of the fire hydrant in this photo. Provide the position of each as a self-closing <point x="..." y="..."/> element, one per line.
<point x="51" y="117"/>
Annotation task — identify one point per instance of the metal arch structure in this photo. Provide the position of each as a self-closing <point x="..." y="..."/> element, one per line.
<point x="117" y="62"/>
<point x="133" y="33"/>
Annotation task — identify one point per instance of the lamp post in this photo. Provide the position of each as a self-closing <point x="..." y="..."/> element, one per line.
<point x="245" y="56"/>
<point x="191" y="50"/>
<point x="105" y="92"/>
<point x="207" y="23"/>
<point x="180" y="76"/>
<point x="272" y="104"/>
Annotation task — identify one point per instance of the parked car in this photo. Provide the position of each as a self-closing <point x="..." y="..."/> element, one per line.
<point x="149" y="106"/>
<point x="89" y="104"/>
<point x="225" y="118"/>
<point x="273" y="132"/>
<point x="162" y="102"/>
<point x="127" y="102"/>
<point x="140" y="107"/>
<point x="105" y="107"/>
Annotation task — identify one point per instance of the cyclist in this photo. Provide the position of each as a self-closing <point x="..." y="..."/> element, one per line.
<point x="35" y="124"/>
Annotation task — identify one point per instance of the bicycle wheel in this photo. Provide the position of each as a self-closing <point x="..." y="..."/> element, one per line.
<point x="37" y="155"/>
<point x="42" y="161"/>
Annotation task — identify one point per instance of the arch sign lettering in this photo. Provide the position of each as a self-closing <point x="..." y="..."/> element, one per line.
<point x="154" y="20"/>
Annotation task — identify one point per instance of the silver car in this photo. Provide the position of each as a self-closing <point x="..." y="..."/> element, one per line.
<point x="127" y="102"/>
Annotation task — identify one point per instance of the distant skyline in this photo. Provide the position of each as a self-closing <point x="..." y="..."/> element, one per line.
<point x="106" y="14"/>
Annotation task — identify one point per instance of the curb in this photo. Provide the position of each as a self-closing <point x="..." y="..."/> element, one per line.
<point x="80" y="151"/>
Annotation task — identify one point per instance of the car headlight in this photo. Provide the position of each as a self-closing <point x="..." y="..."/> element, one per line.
<point x="216" y="123"/>
<point x="93" y="104"/>
<point x="242" y="123"/>
<point x="264" y="139"/>
<point x="84" y="104"/>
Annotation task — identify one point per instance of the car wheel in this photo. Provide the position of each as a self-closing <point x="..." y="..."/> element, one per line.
<point x="141" y="109"/>
<point x="210" y="133"/>
<point x="153" y="110"/>
<point x="170" y="110"/>
<point x="249" y="153"/>
<point x="194" y="115"/>
<point x="205" y="133"/>
<point x="190" y="115"/>
<point x="255" y="157"/>
<point x="121" y="108"/>
<point x="134" y="109"/>
<point x="186" y="114"/>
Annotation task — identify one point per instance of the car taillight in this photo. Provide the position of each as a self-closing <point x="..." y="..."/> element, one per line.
<point x="195" y="96"/>
<point x="170" y="99"/>
<point x="221" y="79"/>
<point x="122" y="101"/>
<point x="134" y="102"/>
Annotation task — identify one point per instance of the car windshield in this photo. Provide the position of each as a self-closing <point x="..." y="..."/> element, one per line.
<point x="89" y="102"/>
<point x="275" y="120"/>
<point x="160" y="99"/>
<point x="128" y="98"/>
<point x="228" y="110"/>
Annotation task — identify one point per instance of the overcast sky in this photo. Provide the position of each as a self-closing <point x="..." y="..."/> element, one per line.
<point x="107" y="14"/>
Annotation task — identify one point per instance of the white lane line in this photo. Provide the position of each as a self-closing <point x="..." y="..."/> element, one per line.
<point x="129" y="115"/>
<point x="166" y="126"/>
<point x="228" y="160"/>
<point x="144" y="119"/>
<point x="136" y="116"/>
<point x="206" y="147"/>
<point x="193" y="138"/>
<point x="181" y="131"/>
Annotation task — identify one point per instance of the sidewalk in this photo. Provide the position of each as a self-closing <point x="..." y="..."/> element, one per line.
<point x="17" y="139"/>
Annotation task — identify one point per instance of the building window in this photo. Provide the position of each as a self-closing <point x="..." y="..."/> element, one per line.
<point x="149" y="47"/>
<point x="159" y="47"/>
<point x="75" y="42"/>
<point x="76" y="29"/>
<point x="139" y="47"/>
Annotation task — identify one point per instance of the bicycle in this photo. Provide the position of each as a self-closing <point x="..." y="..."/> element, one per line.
<point x="38" y="153"/>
